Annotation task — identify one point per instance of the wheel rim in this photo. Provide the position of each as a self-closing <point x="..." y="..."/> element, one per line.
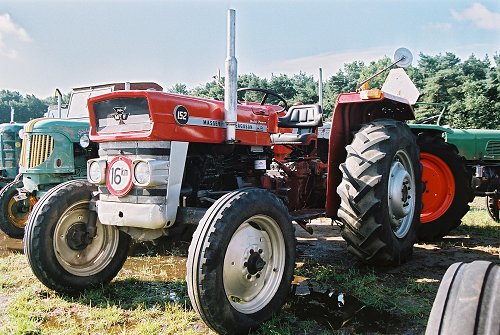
<point x="401" y="192"/>
<point x="83" y="259"/>
<point x="254" y="264"/>
<point x="439" y="187"/>
<point x="17" y="211"/>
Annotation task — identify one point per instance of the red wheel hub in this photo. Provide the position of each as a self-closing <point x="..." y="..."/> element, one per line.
<point x="439" y="187"/>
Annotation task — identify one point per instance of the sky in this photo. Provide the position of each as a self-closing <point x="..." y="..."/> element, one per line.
<point x="51" y="44"/>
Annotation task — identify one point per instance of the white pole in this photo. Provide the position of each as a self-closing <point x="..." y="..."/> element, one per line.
<point x="231" y="80"/>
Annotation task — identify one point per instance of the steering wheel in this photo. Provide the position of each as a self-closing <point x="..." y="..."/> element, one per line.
<point x="267" y="93"/>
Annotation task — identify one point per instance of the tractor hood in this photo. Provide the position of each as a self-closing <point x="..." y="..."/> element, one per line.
<point x="152" y="115"/>
<point x="476" y="144"/>
<point x="73" y="129"/>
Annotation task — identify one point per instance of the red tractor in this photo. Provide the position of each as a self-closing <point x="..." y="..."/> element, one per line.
<point x="169" y="162"/>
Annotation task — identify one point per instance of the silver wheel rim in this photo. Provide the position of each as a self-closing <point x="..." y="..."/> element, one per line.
<point x="401" y="191"/>
<point x="249" y="283"/>
<point x="95" y="256"/>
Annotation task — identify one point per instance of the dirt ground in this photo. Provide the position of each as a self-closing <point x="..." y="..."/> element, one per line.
<point x="429" y="261"/>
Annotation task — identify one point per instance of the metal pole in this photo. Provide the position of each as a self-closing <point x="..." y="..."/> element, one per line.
<point x="59" y="102"/>
<point x="320" y="87"/>
<point x="231" y="80"/>
<point x="11" y="114"/>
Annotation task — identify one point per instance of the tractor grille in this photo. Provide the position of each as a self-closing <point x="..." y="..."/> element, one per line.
<point x="122" y="115"/>
<point x="8" y="150"/>
<point x="493" y="148"/>
<point x="36" y="150"/>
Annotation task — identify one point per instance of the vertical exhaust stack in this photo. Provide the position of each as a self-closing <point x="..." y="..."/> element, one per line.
<point x="11" y="114"/>
<point x="320" y="87"/>
<point x="59" y="103"/>
<point x="231" y="80"/>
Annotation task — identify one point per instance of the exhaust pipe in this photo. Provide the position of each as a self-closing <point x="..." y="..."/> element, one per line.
<point x="59" y="103"/>
<point x="11" y="114"/>
<point x="231" y="80"/>
<point x="320" y="87"/>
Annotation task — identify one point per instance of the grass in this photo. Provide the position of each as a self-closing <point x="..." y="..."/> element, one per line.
<point x="149" y="297"/>
<point x="127" y="306"/>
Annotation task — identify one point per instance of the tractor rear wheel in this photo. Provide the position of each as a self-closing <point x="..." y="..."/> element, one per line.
<point x="493" y="205"/>
<point x="241" y="261"/>
<point x="60" y="252"/>
<point x="447" y="189"/>
<point x="380" y="193"/>
<point x="467" y="301"/>
<point x="14" y="214"/>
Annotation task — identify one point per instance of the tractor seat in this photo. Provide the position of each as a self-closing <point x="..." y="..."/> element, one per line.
<point x="305" y="119"/>
<point x="302" y="116"/>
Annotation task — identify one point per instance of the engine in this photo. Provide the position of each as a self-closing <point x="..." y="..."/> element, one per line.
<point x="213" y="170"/>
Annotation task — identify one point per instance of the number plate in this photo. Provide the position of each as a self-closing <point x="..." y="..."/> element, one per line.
<point x="119" y="176"/>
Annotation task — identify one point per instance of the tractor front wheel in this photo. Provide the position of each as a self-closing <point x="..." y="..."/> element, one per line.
<point x="61" y="253"/>
<point x="14" y="214"/>
<point x="447" y="189"/>
<point x="380" y="193"/>
<point x="241" y="261"/>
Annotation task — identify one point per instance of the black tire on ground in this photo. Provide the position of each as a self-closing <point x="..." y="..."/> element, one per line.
<point x="14" y="214"/>
<point x="241" y="261"/>
<point x="381" y="193"/>
<point x="467" y="301"/>
<point x="54" y="243"/>
<point x="492" y="204"/>
<point x="450" y="207"/>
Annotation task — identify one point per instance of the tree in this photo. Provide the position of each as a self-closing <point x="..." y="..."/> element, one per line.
<point x="178" y="88"/>
<point x="25" y="107"/>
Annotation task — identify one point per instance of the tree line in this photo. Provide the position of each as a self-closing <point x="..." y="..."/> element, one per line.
<point x="469" y="90"/>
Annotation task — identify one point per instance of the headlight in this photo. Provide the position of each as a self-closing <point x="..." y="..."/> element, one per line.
<point x="84" y="141"/>
<point x="142" y="173"/>
<point x="96" y="170"/>
<point x="21" y="133"/>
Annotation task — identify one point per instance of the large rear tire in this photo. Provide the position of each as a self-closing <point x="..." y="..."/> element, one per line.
<point x="241" y="261"/>
<point x="447" y="190"/>
<point x="380" y="193"/>
<point x="14" y="214"/>
<point x="467" y="301"/>
<point x="56" y="246"/>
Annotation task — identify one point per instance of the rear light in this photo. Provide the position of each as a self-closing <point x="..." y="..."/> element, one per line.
<point x="373" y="93"/>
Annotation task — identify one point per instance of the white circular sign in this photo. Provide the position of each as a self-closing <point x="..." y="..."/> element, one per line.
<point x="119" y="176"/>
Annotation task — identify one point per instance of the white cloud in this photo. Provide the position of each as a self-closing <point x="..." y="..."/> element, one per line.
<point x="9" y="28"/>
<point x="481" y="16"/>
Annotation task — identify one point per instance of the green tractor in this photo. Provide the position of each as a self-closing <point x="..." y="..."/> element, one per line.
<point x="10" y="149"/>
<point x="458" y="165"/>
<point x="54" y="150"/>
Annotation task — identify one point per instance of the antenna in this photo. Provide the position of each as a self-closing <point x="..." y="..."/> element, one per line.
<point x="402" y="58"/>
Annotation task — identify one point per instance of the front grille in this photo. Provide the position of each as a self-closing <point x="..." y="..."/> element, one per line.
<point x="493" y="148"/>
<point x="122" y="115"/>
<point x="36" y="150"/>
<point x="159" y="150"/>
<point x="8" y="150"/>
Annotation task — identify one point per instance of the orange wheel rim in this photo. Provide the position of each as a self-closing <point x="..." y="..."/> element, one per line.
<point x="16" y="217"/>
<point x="439" y="187"/>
